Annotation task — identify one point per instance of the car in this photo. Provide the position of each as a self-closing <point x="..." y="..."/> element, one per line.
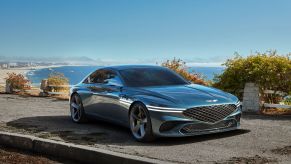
<point x="153" y="102"/>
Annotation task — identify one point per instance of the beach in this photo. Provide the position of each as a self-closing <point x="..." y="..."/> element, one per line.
<point x="3" y="72"/>
<point x="22" y="70"/>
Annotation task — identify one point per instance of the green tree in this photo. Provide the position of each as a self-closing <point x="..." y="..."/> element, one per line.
<point x="268" y="70"/>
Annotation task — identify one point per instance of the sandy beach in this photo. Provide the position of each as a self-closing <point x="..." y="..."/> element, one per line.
<point x="3" y="73"/>
<point x="23" y="71"/>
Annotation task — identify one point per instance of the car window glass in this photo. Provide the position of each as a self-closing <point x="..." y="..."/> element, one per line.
<point x="142" y="77"/>
<point x="104" y="77"/>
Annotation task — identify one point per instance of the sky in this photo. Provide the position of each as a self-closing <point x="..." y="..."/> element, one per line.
<point x="197" y="31"/>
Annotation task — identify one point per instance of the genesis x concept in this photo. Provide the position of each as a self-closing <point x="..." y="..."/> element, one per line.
<point x="153" y="102"/>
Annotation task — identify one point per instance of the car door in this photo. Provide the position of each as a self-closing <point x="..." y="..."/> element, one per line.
<point x="106" y="89"/>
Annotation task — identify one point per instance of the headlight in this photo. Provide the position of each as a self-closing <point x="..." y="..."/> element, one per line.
<point x="238" y="103"/>
<point x="238" y="106"/>
<point x="164" y="109"/>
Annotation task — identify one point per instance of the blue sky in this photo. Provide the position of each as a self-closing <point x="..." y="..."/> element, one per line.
<point x="144" y="30"/>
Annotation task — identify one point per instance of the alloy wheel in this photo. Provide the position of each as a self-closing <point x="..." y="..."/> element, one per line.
<point x="138" y="122"/>
<point x="76" y="108"/>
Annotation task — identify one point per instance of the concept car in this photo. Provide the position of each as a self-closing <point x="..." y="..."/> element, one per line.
<point x="153" y="102"/>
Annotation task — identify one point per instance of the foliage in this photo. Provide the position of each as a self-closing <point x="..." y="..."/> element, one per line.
<point x="17" y="81"/>
<point x="287" y="100"/>
<point x="180" y="67"/>
<point x="57" y="82"/>
<point x="268" y="70"/>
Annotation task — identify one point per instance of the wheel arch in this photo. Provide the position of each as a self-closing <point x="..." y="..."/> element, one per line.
<point x="72" y="94"/>
<point x="133" y="103"/>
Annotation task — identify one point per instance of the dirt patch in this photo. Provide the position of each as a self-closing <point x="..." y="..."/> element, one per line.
<point x="283" y="151"/>
<point x="74" y="137"/>
<point x="249" y="160"/>
<point x="13" y="156"/>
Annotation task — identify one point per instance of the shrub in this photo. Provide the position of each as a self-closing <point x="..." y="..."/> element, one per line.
<point x="268" y="70"/>
<point x="287" y="100"/>
<point x="180" y="67"/>
<point x="56" y="82"/>
<point x="17" y="81"/>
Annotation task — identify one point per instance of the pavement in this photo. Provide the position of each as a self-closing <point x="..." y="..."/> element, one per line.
<point x="261" y="139"/>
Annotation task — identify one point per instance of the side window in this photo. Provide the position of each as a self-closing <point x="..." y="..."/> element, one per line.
<point x="104" y="77"/>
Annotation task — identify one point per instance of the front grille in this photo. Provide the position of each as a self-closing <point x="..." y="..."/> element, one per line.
<point x="202" y="127"/>
<point x="210" y="114"/>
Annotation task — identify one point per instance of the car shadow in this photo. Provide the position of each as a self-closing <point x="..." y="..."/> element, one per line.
<point x="200" y="138"/>
<point x="99" y="132"/>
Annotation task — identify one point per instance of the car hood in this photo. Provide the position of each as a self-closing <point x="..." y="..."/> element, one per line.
<point x="191" y="95"/>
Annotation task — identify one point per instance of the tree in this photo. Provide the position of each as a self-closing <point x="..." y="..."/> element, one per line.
<point x="180" y="67"/>
<point x="268" y="70"/>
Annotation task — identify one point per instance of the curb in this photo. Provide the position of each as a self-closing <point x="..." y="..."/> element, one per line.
<point x="70" y="151"/>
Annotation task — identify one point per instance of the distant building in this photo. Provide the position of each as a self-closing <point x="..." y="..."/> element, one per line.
<point x="4" y="65"/>
<point x="12" y="65"/>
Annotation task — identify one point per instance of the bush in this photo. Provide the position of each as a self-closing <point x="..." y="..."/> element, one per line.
<point x="268" y="70"/>
<point x="287" y="100"/>
<point x="17" y="81"/>
<point x="180" y="67"/>
<point x="57" y="81"/>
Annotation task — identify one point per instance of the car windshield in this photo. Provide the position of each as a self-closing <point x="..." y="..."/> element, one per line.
<point x="143" y="77"/>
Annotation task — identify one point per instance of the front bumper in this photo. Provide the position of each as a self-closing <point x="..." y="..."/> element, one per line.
<point x="175" y="124"/>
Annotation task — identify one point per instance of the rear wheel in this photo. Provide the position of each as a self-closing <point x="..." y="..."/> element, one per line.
<point x="140" y="123"/>
<point x="77" y="109"/>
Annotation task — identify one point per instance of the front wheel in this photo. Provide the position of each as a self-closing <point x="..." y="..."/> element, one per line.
<point x="77" y="109"/>
<point x="140" y="123"/>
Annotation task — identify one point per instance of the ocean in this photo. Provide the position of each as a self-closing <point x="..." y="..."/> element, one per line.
<point x="76" y="73"/>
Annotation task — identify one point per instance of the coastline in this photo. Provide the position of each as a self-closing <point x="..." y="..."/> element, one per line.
<point x="22" y="70"/>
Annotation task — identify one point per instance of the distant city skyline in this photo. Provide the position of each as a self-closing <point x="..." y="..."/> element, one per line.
<point x="146" y="31"/>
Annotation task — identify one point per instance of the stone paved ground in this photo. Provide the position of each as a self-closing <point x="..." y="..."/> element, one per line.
<point x="261" y="139"/>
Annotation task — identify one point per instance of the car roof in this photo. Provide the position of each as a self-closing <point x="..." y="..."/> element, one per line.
<point x="123" y="67"/>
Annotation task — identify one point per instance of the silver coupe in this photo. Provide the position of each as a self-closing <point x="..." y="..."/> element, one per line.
<point x="153" y="102"/>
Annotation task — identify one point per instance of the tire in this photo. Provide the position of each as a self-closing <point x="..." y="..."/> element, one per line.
<point x="140" y="123"/>
<point x="77" y="109"/>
